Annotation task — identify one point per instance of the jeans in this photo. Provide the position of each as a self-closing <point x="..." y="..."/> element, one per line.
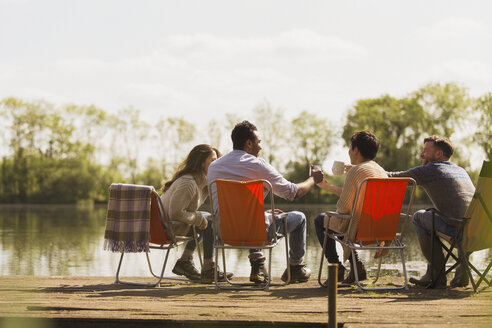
<point x="206" y="235"/>
<point x="296" y="227"/>
<point x="422" y="221"/>
<point x="330" y="249"/>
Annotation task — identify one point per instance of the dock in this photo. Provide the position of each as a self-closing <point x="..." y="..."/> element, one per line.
<point x="28" y="301"/>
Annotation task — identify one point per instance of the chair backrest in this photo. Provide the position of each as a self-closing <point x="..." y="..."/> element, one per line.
<point x="379" y="215"/>
<point x="241" y="212"/>
<point x="477" y="233"/>
<point x="160" y="230"/>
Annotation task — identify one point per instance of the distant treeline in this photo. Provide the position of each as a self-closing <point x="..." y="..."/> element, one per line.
<point x="70" y="153"/>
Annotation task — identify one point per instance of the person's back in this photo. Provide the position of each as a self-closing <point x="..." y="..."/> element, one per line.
<point x="450" y="189"/>
<point x="448" y="186"/>
<point x="243" y="164"/>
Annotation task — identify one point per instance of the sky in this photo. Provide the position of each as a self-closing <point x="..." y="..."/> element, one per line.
<point x="199" y="60"/>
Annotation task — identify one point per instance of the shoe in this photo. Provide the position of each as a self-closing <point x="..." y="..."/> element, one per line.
<point x="186" y="268"/>
<point x="461" y="278"/>
<point x="341" y="273"/>
<point x="425" y="280"/>
<point x="298" y="273"/>
<point x="361" y="272"/>
<point x="259" y="273"/>
<point x="207" y="275"/>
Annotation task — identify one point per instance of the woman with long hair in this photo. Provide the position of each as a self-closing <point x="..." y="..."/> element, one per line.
<point x="182" y="196"/>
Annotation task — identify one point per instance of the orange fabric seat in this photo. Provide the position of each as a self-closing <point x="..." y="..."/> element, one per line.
<point x="374" y="222"/>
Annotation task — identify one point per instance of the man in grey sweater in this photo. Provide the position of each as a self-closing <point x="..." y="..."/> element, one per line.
<point x="450" y="189"/>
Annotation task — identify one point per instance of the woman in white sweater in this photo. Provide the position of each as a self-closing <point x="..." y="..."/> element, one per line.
<point x="182" y="196"/>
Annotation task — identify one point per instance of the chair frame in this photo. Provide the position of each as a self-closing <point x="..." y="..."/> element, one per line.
<point x="397" y="243"/>
<point x="220" y="245"/>
<point x="456" y="243"/>
<point x="175" y="242"/>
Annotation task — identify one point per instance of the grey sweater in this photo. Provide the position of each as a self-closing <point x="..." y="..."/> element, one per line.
<point x="448" y="186"/>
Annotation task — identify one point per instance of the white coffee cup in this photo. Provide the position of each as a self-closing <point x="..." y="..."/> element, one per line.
<point x="338" y="168"/>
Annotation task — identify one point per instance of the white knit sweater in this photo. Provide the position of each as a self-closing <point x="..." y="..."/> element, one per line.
<point x="182" y="200"/>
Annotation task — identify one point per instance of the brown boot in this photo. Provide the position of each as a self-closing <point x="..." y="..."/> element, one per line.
<point x="341" y="273"/>
<point x="361" y="273"/>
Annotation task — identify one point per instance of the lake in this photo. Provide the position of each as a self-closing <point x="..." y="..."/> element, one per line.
<point x="59" y="240"/>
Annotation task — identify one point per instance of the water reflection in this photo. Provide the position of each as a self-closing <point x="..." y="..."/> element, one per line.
<point x="68" y="241"/>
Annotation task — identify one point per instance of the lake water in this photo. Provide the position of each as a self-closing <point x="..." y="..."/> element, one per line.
<point x="46" y="240"/>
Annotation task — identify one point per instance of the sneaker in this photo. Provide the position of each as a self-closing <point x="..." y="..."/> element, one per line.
<point x="259" y="273"/>
<point x="186" y="268"/>
<point x="207" y="275"/>
<point x="298" y="273"/>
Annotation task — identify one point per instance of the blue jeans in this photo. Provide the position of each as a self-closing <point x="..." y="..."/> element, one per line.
<point x="296" y="227"/>
<point x="422" y="221"/>
<point x="206" y="235"/>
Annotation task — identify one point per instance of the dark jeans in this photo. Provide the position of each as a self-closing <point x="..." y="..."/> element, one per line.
<point x="206" y="235"/>
<point x="330" y="249"/>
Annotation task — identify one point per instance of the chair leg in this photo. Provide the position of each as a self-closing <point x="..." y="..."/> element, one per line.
<point x="159" y="278"/>
<point x="404" y="269"/>
<point x="360" y="288"/>
<point x="379" y="269"/>
<point x="322" y="259"/>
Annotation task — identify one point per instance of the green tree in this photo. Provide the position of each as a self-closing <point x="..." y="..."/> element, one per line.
<point x="129" y="134"/>
<point x="483" y="135"/>
<point x="271" y="125"/>
<point x="310" y="142"/>
<point x="398" y="123"/>
<point x="175" y="136"/>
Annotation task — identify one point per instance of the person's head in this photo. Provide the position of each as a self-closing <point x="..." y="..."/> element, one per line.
<point x="363" y="147"/>
<point x="436" y="149"/>
<point x="196" y="163"/>
<point x="245" y="137"/>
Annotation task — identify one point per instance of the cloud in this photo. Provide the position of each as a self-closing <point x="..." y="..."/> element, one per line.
<point x="478" y="73"/>
<point x="453" y="28"/>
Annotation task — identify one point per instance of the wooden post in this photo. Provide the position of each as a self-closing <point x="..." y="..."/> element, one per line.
<point x="332" y="294"/>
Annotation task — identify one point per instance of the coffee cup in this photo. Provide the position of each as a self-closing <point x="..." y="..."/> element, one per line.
<point x="338" y="168"/>
<point x="314" y="168"/>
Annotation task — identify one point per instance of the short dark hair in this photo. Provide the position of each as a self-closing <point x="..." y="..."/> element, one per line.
<point x="241" y="133"/>
<point x="442" y="143"/>
<point x="366" y="142"/>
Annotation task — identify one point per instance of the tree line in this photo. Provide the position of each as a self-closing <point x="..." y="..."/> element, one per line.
<point x="71" y="153"/>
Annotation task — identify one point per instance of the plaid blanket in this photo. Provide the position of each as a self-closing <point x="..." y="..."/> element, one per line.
<point x="128" y="218"/>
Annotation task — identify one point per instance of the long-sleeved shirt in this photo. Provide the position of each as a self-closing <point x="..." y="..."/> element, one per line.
<point x="238" y="165"/>
<point x="448" y="186"/>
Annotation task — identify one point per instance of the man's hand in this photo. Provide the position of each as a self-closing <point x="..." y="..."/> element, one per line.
<point x="318" y="176"/>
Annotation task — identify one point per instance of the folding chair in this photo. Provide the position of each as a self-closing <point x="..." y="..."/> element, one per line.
<point x="475" y="231"/>
<point x="376" y="213"/>
<point x="239" y="223"/>
<point x="136" y="222"/>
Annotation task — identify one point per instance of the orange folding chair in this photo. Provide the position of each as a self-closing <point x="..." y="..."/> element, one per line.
<point x="375" y="219"/>
<point x="135" y="222"/>
<point x="239" y="223"/>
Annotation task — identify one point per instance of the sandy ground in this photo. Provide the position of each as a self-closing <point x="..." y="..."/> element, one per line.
<point x="97" y="301"/>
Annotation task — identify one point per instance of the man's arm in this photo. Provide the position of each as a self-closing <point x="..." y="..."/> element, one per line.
<point x="329" y="187"/>
<point x="304" y="187"/>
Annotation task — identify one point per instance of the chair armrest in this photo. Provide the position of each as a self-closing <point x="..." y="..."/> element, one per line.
<point x="339" y="215"/>
<point x="444" y="217"/>
<point x="279" y="216"/>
